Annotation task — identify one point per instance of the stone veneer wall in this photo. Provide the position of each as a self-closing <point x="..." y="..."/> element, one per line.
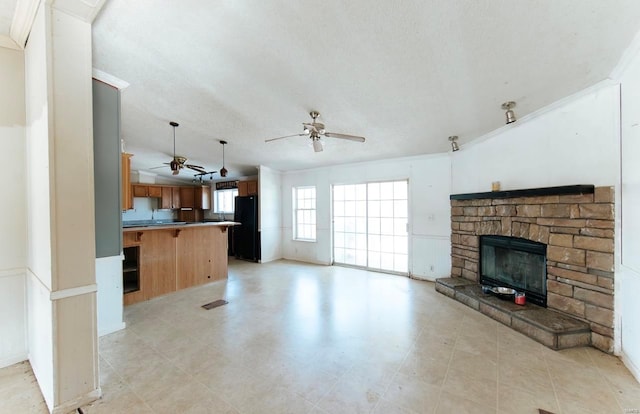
<point x="579" y="233"/>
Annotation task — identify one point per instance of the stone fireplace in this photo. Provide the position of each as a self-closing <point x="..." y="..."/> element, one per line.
<point x="575" y="226"/>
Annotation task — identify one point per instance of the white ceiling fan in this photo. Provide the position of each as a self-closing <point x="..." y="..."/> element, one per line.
<point x="315" y="130"/>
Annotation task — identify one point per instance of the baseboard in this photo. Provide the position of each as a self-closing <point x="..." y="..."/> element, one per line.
<point x="112" y="329"/>
<point x="77" y="402"/>
<point x="633" y="368"/>
<point x="13" y="359"/>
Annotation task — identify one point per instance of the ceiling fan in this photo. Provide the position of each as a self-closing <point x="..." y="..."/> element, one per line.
<point x="315" y="130"/>
<point x="179" y="162"/>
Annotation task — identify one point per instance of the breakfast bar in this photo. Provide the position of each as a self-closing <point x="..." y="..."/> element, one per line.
<point x="166" y="257"/>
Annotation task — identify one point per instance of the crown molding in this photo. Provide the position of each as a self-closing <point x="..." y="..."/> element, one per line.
<point x="23" y="18"/>
<point x="110" y="80"/>
<point x="7" y="42"/>
<point x="85" y="10"/>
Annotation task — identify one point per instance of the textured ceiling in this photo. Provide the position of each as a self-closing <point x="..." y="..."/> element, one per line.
<point x="404" y="75"/>
<point x="7" y="8"/>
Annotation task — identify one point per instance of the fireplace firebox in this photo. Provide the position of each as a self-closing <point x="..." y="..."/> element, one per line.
<point x="516" y="263"/>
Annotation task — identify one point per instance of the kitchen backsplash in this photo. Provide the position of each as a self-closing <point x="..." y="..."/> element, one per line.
<point x="146" y="208"/>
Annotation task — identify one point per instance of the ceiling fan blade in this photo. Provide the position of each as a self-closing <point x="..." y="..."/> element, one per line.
<point x="155" y="168"/>
<point x="286" y="136"/>
<point x="196" y="168"/>
<point x="344" y="136"/>
<point x="317" y="145"/>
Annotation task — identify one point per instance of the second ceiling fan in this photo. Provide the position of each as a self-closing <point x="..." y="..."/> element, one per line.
<point x="315" y="131"/>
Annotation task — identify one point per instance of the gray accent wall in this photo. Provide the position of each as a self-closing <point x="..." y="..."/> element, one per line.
<point x="107" y="169"/>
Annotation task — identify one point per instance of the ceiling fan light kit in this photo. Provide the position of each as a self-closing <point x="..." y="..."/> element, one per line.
<point x="315" y="130"/>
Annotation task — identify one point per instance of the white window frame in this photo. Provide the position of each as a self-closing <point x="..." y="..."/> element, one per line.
<point x="296" y="204"/>
<point x="216" y="207"/>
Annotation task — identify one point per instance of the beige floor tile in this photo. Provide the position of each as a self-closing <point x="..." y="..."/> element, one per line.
<point x="412" y="394"/>
<point x="349" y="396"/>
<point x="450" y="403"/>
<point x="323" y="339"/>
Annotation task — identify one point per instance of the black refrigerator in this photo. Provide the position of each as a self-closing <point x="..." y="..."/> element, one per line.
<point x="246" y="239"/>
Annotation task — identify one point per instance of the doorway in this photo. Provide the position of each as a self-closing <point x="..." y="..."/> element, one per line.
<point x="370" y="225"/>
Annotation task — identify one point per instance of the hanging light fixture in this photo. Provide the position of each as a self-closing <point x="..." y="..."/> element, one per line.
<point x="223" y="171"/>
<point x="454" y="144"/>
<point x="508" y="106"/>
<point x="175" y="165"/>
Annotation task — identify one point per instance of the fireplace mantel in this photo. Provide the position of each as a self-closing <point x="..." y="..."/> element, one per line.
<point x="530" y="192"/>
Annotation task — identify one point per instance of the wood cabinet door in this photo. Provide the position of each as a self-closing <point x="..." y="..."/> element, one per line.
<point x="243" y="188"/>
<point x="155" y="191"/>
<point x="203" y="197"/>
<point x="252" y="187"/>
<point x="140" y="190"/>
<point x="187" y="197"/>
<point x="218" y="257"/>
<point x="176" y="201"/>
<point x="158" y="263"/>
<point x="166" y="198"/>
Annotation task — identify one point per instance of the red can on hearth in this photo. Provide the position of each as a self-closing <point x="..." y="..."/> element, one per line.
<point x="520" y="298"/>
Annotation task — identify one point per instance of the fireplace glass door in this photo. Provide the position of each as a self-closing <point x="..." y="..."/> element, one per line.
<point x="516" y="263"/>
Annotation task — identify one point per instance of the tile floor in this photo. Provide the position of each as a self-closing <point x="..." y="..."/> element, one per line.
<point x="299" y="338"/>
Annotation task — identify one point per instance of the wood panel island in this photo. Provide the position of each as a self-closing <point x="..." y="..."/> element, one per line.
<point x="161" y="259"/>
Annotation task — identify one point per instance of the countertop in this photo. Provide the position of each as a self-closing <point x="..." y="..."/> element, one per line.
<point x="182" y="225"/>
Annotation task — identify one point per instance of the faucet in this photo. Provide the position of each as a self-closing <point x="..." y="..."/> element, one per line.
<point x="152" y="211"/>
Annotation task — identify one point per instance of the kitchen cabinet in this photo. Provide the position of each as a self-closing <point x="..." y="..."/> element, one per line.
<point x="166" y="259"/>
<point x="170" y="197"/>
<point x="187" y="197"/>
<point x="199" y="257"/>
<point x="127" y="197"/>
<point x="203" y="197"/>
<point x="247" y="188"/>
<point x="141" y="190"/>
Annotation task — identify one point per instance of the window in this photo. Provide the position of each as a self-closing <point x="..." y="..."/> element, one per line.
<point x="304" y="217"/>
<point x="224" y="200"/>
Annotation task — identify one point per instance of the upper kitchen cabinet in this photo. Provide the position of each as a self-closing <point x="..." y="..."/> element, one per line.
<point x="247" y="188"/>
<point x="187" y="197"/>
<point x="143" y="190"/>
<point x="203" y="197"/>
<point x="170" y="197"/>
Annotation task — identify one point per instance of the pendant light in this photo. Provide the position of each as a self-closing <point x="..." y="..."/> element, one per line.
<point x="175" y="165"/>
<point x="510" y="115"/>
<point x="223" y="171"/>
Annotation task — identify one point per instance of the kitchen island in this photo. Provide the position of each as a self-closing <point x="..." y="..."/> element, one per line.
<point x="163" y="258"/>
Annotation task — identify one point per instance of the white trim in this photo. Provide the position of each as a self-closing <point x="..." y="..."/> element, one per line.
<point x="111" y="80"/>
<point x="112" y="329"/>
<point x="429" y="236"/>
<point x="17" y="271"/>
<point x="13" y="359"/>
<point x="9" y="43"/>
<point x="77" y="402"/>
<point x="628" y="362"/>
<point x="23" y="17"/>
<point x="627" y="57"/>
<point x="540" y="112"/>
<point x="76" y="291"/>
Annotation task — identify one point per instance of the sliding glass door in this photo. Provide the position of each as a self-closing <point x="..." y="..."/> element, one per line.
<point x="370" y="225"/>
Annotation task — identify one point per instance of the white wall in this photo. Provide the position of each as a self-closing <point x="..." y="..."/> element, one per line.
<point x="574" y="141"/>
<point x="628" y="267"/>
<point x="13" y="323"/>
<point x="429" y="225"/>
<point x="110" y="307"/>
<point x="270" y="214"/>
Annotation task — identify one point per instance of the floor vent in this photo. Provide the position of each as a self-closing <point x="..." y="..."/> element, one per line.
<point x="215" y="304"/>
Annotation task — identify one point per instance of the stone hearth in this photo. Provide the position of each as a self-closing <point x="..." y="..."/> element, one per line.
<point x="577" y="225"/>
